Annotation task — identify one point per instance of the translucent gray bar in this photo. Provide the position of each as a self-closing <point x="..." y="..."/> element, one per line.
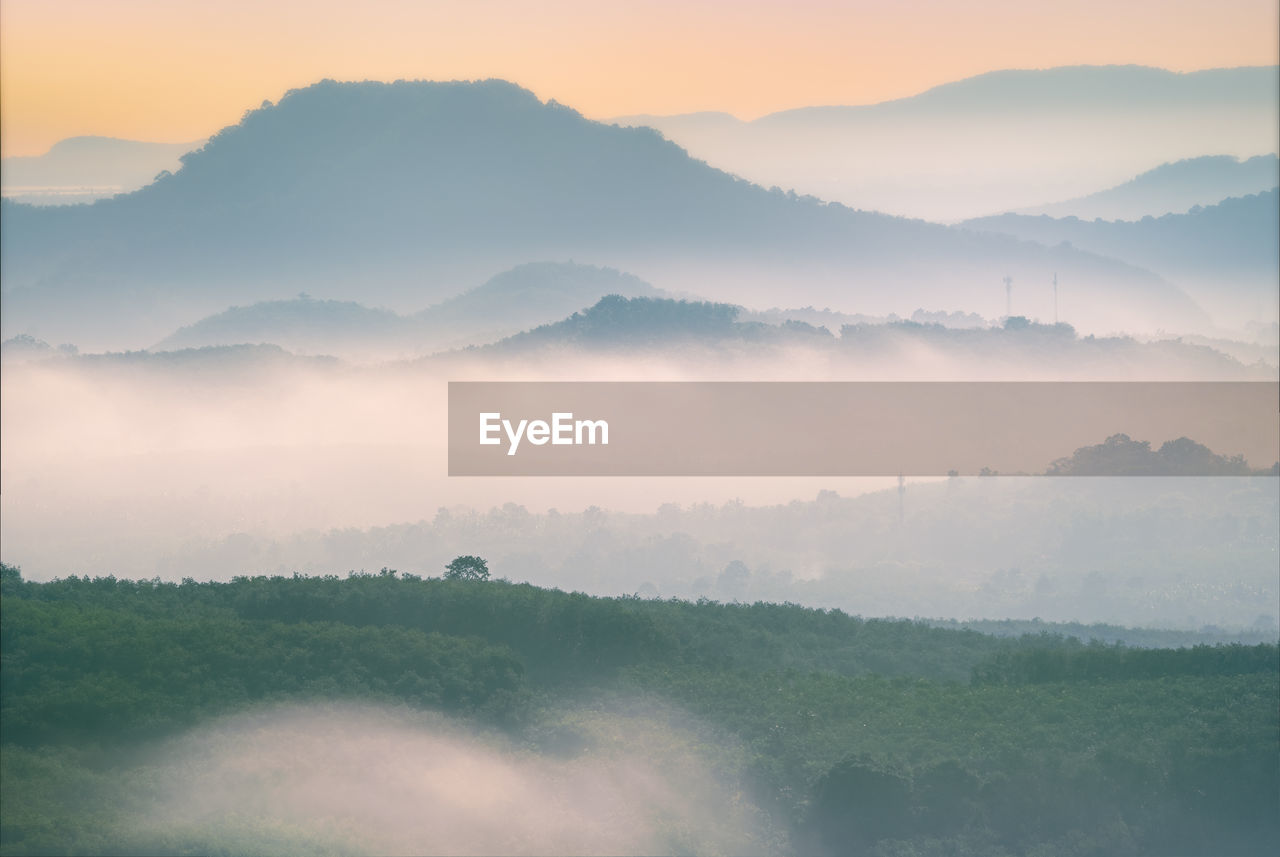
<point x="842" y="428"/>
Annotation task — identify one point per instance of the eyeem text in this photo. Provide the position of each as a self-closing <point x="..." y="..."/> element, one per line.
<point x="563" y="430"/>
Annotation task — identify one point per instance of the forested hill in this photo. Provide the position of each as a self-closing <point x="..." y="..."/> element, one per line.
<point x="858" y="736"/>
<point x="515" y="300"/>
<point x="1172" y="188"/>
<point x="1234" y="240"/>
<point x="617" y="322"/>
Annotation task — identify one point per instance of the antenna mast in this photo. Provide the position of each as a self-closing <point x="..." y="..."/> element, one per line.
<point x="1055" y="298"/>
<point x="1008" y="296"/>
<point x="902" y="494"/>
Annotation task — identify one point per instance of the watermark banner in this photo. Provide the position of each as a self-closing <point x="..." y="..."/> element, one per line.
<point x="862" y="428"/>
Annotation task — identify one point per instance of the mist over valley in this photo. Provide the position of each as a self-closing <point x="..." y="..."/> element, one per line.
<point x="247" y="610"/>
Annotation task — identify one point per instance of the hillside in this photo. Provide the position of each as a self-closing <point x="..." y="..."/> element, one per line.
<point x="1229" y="251"/>
<point x="521" y="298"/>
<point x="1170" y="552"/>
<point x="832" y="729"/>
<point x="1172" y="189"/>
<point x="616" y="322"/>
<point x="723" y="338"/>
<point x="387" y="194"/>
<point x="301" y="325"/>
<point x="84" y="169"/>
<point x="524" y="297"/>
<point x="998" y="141"/>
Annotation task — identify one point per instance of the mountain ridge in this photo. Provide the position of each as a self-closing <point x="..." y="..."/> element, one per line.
<point x="88" y="167"/>
<point x="514" y="300"/>
<point x="1172" y="188"/>
<point x="1227" y="252"/>
<point x="1001" y="141"/>
<point x="1100" y="80"/>
<point x="390" y="193"/>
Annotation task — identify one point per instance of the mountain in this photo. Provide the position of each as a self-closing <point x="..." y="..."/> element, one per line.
<point x="1229" y="252"/>
<point x="1112" y="88"/>
<point x="524" y="297"/>
<point x="390" y="193"/>
<point x="222" y="365"/>
<point x="835" y="320"/>
<point x="999" y="141"/>
<point x="515" y="300"/>
<point x="737" y="344"/>
<point x="1172" y="189"/>
<point x="22" y="348"/>
<point x="301" y="325"/>
<point x="635" y="323"/>
<point x="83" y="169"/>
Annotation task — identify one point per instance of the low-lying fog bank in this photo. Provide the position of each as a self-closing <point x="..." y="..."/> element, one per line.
<point x="227" y="463"/>
<point x="348" y="778"/>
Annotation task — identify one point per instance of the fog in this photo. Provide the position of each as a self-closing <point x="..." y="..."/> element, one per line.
<point x="347" y="778"/>
<point x="152" y="466"/>
<point x="311" y="280"/>
<point x="447" y="184"/>
<point x="109" y="470"/>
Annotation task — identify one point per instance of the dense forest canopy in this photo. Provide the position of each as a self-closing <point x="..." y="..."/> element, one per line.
<point x="854" y="736"/>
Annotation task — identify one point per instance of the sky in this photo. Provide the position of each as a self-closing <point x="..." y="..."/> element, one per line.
<point x="173" y="71"/>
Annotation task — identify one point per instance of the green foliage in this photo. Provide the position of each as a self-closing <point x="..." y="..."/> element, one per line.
<point x="1006" y="769"/>
<point x="77" y="672"/>
<point x="467" y="568"/>
<point x="856" y="804"/>
<point x="1070" y="661"/>
<point x="869" y="737"/>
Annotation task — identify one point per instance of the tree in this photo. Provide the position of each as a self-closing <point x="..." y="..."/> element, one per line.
<point x="467" y="568"/>
<point x="856" y="804"/>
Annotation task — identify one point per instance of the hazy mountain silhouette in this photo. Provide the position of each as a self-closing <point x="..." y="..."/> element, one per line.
<point x="1118" y="88"/>
<point x="300" y="325"/>
<point x="835" y="320"/>
<point x="1172" y="189"/>
<point x="510" y="302"/>
<point x="82" y="169"/>
<point x="22" y="348"/>
<point x="636" y="323"/>
<point x="218" y="365"/>
<point x="524" y="297"/>
<point x="706" y="334"/>
<point x="995" y="142"/>
<point x="390" y="193"/>
<point x="1231" y="250"/>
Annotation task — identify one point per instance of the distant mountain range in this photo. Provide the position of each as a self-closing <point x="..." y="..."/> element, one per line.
<point x="689" y="336"/>
<point x="392" y="194"/>
<point x="84" y="169"/>
<point x="1172" y="189"/>
<point x="1058" y="110"/>
<point x="1000" y="141"/>
<point x="1224" y="253"/>
<point x="616" y="322"/>
<point x="530" y="305"/>
<point x="524" y="297"/>
<point x="513" y="301"/>
<point x="708" y="334"/>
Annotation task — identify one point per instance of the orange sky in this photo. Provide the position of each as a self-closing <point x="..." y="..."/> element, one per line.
<point x="176" y="71"/>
